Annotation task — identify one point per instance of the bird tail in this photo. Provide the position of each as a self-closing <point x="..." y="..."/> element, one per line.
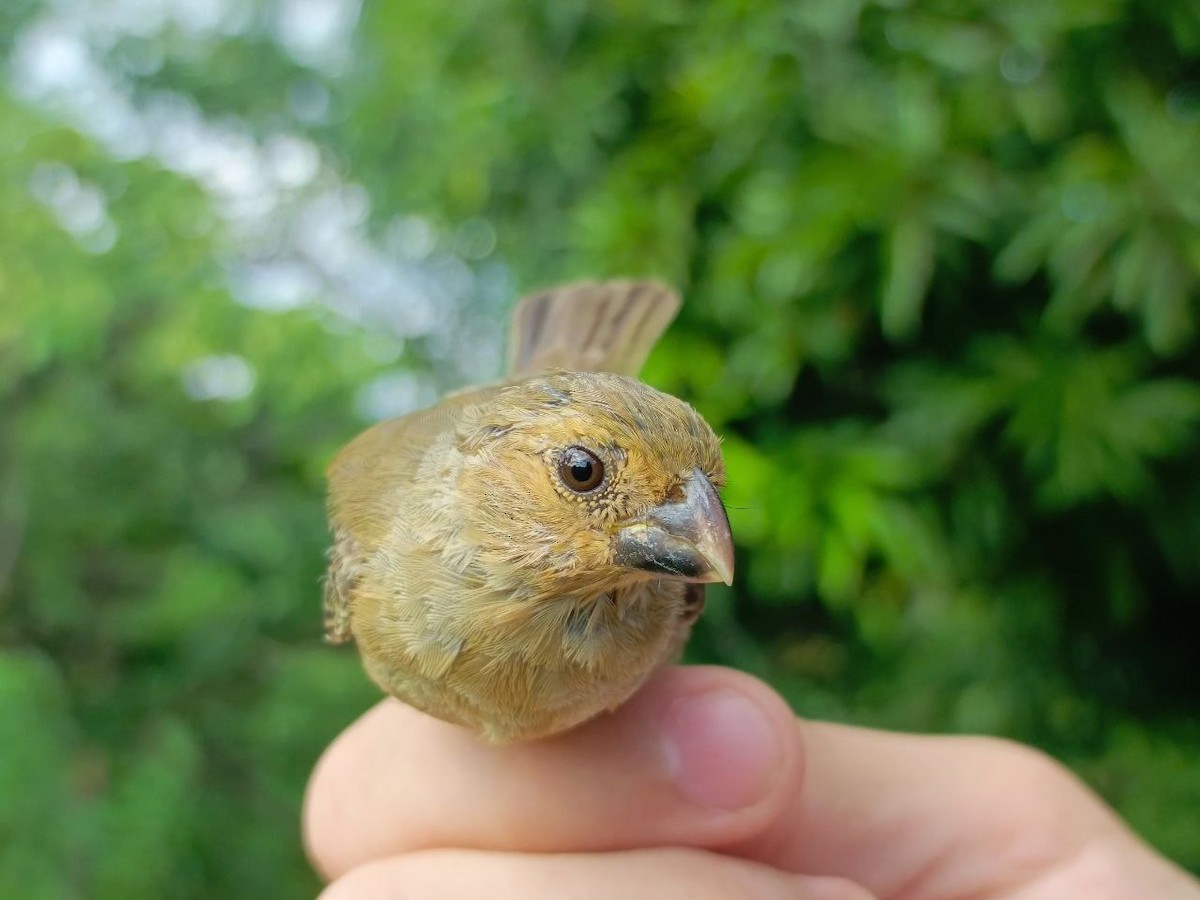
<point x="590" y="326"/>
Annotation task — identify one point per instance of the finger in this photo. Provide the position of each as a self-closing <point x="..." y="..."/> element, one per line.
<point x="700" y="757"/>
<point x="666" y="874"/>
<point x="919" y="816"/>
<point x="711" y="758"/>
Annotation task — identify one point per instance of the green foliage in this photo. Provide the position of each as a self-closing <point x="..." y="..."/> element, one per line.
<point x="161" y="556"/>
<point x="942" y="264"/>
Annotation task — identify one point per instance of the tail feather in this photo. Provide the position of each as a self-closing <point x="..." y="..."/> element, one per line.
<point x="589" y="326"/>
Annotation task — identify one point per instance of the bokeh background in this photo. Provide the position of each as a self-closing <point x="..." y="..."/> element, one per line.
<point x="942" y="269"/>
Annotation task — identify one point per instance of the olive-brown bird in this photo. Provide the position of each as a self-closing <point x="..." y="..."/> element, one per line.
<point x="522" y="556"/>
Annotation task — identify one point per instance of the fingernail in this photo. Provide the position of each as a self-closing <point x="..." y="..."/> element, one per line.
<point x="722" y="750"/>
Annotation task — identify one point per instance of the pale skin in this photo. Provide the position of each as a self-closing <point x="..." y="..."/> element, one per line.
<point x="705" y="786"/>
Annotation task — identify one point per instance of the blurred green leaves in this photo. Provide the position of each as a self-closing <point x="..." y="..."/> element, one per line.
<point x="36" y="732"/>
<point x="1087" y="423"/>
<point x="942" y="269"/>
<point x="161" y="554"/>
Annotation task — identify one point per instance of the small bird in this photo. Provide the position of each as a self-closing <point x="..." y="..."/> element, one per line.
<point x="520" y="557"/>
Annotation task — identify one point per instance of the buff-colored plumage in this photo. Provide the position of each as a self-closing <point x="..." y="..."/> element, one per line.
<point x="480" y="584"/>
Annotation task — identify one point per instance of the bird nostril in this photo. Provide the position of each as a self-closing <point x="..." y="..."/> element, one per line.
<point x="676" y="493"/>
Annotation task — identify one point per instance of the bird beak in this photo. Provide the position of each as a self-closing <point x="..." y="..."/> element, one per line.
<point x="689" y="540"/>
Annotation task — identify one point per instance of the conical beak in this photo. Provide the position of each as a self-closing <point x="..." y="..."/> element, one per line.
<point x="689" y="540"/>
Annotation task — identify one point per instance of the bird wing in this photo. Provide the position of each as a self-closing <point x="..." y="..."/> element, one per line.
<point x="590" y="326"/>
<point x="368" y="481"/>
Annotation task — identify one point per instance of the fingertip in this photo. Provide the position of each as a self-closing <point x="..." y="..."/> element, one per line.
<point x="373" y="881"/>
<point x="320" y="815"/>
<point x="331" y="816"/>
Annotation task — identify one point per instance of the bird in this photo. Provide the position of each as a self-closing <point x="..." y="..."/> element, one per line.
<point x="522" y="556"/>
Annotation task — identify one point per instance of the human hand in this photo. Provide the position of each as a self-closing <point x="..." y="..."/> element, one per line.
<point x="705" y="786"/>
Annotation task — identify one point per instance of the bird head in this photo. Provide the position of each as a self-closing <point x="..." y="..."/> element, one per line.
<point x="594" y="480"/>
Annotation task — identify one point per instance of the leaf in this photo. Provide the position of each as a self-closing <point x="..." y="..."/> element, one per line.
<point x="36" y="841"/>
<point x="909" y="268"/>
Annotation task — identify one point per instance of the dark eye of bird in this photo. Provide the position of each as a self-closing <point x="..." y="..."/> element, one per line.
<point x="580" y="470"/>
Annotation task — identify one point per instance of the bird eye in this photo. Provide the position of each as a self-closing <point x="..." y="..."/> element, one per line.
<point x="580" y="470"/>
